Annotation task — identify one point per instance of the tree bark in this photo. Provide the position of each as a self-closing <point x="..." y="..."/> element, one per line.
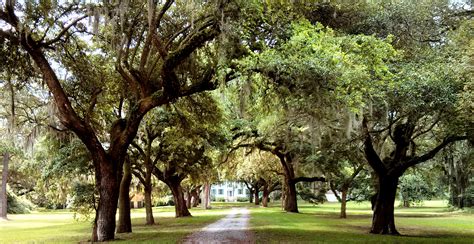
<point x="206" y="203"/>
<point x="383" y="221"/>
<point x="406" y="204"/>
<point x="178" y="196"/>
<point x="94" y="237"/>
<point x="150" y="220"/>
<point x="3" y="191"/>
<point x="256" y="192"/>
<point x="265" y="195"/>
<point x="188" y="200"/>
<point x="195" y="197"/>
<point x="124" y="221"/>
<point x="291" y="203"/>
<point x="109" y="194"/>
<point x="343" y="203"/>
<point x="250" y="196"/>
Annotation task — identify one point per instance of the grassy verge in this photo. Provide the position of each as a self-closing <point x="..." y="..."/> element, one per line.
<point x="431" y="223"/>
<point x="60" y="227"/>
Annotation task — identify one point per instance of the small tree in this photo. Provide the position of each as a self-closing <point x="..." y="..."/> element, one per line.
<point x="413" y="189"/>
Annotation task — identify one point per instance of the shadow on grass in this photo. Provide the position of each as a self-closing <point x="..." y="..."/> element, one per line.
<point x="276" y="226"/>
<point x="357" y="214"/>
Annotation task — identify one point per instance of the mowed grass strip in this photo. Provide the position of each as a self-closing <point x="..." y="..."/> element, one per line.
<point x="60" y="226"/>
<point x="432" y="223"/>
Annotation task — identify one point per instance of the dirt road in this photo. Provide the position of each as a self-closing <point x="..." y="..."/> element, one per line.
<point x="233" y="228"/>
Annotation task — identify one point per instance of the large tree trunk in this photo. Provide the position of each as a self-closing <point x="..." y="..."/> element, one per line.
<point x="109" y="193"/>
<point x="257" y="200"/>
<point x="3" y="191"/>
<point x="179" y="201"/>
<point x="206" y="203"/>
<point x="124" y="221"/>
<point x="265" y="195"/>
<point x="383" y="221"/>
<point x="195" y="197"/>
<point x="188" y="199"/>
<point x="343" y="203"/>
<point x="150" y="220"/>
<point x="250" y="196"/>
<point x="94" y="237"/>
<point x="291" y="204"/>
<point x="406" y="204"/>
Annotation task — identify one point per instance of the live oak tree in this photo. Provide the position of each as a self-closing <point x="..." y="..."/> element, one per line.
<point x="300" y="105"/>
<point x="15" y="77"/>
<point x="413" y="189"/>
<point x="260" y="171"/>
<point x="142" y="160"/>
<point x="456" y="163"/>
<point x="424" y="101"/>
<point x="178" y="142"/>
<point x="148" y="53"/>
<point x="423" y="104"/>
<point x="343" y="162"/>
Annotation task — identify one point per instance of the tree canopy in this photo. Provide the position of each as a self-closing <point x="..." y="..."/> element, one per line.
<point x="353" y="95"/>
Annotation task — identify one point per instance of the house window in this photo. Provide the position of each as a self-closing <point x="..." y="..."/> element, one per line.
<point x="240" y="191"/>
<point x="229" y="193"/>
<point x="246" y="191"/>
<point x="221" y="191"/>
<point x="213" y="192"/>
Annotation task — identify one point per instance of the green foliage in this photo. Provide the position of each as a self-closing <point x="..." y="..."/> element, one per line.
<point x="414" y="189"/>
<point x="169" y="202"/>
<point x="469" y="194"/>
<point x="18" y="205"/>
<point x="347" y="67"/>
<point x="220" y="199"/>
<point x="60" y="162"/>
<point x="362" y="189"/>
<point x="83" y="200"/>
<point x="242" y="199"/>
<point x="306" y="192"/>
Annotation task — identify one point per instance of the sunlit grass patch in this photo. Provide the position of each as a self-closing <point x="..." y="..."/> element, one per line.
<point x="321" y="223"/>
<point x="60" y="226"/>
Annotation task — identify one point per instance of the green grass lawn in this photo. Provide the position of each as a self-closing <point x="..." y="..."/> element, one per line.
<point x="60" y="226"/>
<point x="432" y="223"/>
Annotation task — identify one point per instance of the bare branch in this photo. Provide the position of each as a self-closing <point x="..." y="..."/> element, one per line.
<point x="429" y="155"/>
<point x="137" y="172"/>
<point x="162" y="12"/>
<point x="90" y="109"/>
<point x="308" y="179"/>
<point x="194" y="42"/>
<point x="372" y="157"/>
<point x="428" y="129"/>
<point x="63" y="32"/>
<point x="140" y="150"/>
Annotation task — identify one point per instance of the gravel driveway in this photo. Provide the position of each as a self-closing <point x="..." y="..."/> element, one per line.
<point x="233" y="228"/>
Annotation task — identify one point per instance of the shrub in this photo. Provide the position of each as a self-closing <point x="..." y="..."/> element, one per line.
<point x="220" y="199"/>
<point x="82" y="200"/>
<point x="18" y="205"/>
<point x="242" y="199"/>
<point x="165" y="201"/>
<point x="413" y="189"/>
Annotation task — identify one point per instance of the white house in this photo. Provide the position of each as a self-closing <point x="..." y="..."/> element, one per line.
<point x="229" y="190"/>
<point x="331" y="197"/>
